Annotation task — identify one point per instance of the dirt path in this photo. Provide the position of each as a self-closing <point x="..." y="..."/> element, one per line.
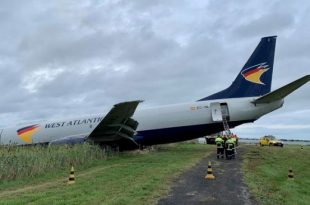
<point x="226" y="188"/>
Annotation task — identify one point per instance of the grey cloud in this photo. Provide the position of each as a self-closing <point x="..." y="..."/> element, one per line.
<point x="268" y="24"/>
<point x="60" y="59"/>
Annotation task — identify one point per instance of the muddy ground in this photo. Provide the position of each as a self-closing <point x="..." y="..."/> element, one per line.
<point x="227" y="187"/>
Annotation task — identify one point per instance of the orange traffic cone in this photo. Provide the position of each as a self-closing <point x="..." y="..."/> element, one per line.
<point x="71" y="176"/>
<point x="290" y="174"/>
<point x="209" y="173"/>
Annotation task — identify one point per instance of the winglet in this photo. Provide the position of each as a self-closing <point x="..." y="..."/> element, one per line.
<point x="282" y="92"/>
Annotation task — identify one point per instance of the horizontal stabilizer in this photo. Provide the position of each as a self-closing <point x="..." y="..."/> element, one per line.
<point x="283" y="91"/>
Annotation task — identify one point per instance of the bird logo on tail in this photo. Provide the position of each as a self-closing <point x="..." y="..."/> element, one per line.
<point x="254" y="73"/>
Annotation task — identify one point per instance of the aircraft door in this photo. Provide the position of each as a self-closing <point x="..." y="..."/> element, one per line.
<point x="216" y="112"/>
<point x="225" y="111"/>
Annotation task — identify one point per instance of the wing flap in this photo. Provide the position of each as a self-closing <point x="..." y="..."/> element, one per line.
<point x="282" y="92"/>
<point x="117" y="124"/>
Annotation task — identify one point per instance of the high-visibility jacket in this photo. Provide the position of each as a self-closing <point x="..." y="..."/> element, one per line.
<point x="230" y="144"/>
<point x="234" y="140"/>
<point x="219" y="142"/>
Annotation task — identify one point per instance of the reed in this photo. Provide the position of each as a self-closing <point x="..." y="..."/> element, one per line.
<point x="17" y="162"/>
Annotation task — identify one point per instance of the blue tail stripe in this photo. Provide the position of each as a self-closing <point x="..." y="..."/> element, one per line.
<point x="256" y="75"/>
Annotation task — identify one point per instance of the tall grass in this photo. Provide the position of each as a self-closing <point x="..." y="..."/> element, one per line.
<point x="17" y="162"/>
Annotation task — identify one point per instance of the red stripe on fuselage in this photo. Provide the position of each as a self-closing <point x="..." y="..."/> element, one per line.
<point x="252" y="71"/>
<point x="26" y="130"/>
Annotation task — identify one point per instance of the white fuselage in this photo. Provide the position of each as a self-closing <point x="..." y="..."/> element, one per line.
<point x="162" y="124"/>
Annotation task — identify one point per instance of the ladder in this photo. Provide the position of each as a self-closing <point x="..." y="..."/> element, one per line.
<point x="226" y="131"/>
<point x="224" y="112"/>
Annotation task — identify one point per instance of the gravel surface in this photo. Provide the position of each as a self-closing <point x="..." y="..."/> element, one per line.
<point x="227" y="187"/>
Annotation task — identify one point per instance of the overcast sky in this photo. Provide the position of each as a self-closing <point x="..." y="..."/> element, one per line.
<point x="70" y="58"/>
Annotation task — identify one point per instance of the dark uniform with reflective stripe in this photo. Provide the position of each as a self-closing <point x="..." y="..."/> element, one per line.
<point x="230" y="146"/>
<point x="220" y="146"/>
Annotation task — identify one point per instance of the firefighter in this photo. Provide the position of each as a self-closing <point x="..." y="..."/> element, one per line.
<point x="229" y="148"/>
<point x="224" y="142"/>
<point x="220" y="146"/>
<point x="234" y="140"/>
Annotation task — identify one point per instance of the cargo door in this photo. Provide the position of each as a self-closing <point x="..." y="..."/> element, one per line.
<point x="225" y="111"/>
<point x="216" y="112"/>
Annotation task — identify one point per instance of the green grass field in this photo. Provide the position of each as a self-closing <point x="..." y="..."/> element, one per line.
<point x="37" y="175"/>
<point x="127" y="178"/>
<point x="266" y="170"/>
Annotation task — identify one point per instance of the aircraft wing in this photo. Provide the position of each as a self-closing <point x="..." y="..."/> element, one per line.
<point x="117" y="124"/>
<point x="283" y="91"/>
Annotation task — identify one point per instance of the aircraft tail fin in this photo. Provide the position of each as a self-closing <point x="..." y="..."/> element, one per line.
<point x="255" y="77"/>
<point x="282" y="92"/>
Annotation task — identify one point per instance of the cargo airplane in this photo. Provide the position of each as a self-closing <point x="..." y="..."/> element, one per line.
<point x="248" y="98"/>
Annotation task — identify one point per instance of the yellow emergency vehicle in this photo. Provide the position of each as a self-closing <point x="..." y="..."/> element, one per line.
<point x="270" y="140"/>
